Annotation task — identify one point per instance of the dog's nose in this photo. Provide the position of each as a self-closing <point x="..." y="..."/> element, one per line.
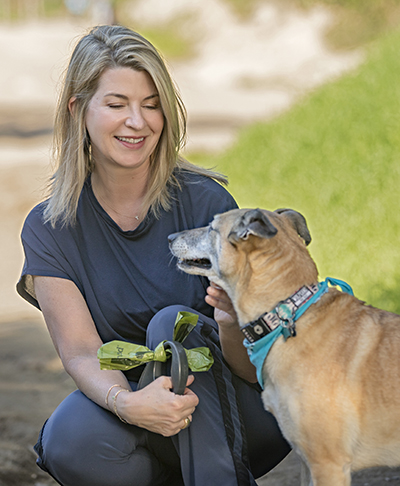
<point x="172" y="237"/>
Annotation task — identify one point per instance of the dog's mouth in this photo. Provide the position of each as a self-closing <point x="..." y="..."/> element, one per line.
<point x="201" y="263"/>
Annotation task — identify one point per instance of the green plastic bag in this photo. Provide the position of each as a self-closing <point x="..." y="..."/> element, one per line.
<point x="121" y="355"/>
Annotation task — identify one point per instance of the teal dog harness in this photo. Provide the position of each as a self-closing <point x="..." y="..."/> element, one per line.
<point x="262" y="333"/>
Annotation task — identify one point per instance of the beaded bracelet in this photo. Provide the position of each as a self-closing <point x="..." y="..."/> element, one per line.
<point x="115" y="404"/>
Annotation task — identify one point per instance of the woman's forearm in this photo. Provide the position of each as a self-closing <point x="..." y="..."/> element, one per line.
<point x="94" y="382"/>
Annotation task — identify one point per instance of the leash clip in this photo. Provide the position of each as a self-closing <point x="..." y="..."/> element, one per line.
<point x="286" y="319"/>
<point x="289" y="327"/>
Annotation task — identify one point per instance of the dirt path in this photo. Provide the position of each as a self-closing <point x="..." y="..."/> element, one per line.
<point x="243" y="71"/>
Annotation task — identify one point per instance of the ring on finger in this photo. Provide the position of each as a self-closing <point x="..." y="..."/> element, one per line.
<point x="187" y="423"/>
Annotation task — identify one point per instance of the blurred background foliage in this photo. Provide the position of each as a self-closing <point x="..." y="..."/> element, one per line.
<point x="169" y="38"/>
<point x="334" y="156"/>
<point x="356" y="22"/>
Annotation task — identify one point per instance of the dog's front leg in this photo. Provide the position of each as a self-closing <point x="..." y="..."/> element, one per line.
<point x="329" y="474"/>
<point x="306" y="479"/>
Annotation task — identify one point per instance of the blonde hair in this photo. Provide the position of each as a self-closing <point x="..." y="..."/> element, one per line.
<point x="107" y="47"/>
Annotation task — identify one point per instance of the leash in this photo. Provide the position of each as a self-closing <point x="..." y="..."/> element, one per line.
<point x="261" y="334"/>
<point x="179" y="369"/>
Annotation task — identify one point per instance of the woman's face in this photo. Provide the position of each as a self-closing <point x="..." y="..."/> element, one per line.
<point x="124" y="119"/>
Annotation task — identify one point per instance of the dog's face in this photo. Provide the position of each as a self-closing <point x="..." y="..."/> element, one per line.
<point x="242" y="246"/>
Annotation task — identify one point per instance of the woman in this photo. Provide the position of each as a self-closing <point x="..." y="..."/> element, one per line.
<point x="97" y="263"/>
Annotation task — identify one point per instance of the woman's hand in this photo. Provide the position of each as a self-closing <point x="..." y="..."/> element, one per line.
<point x="230" y="335"/>
<point x="156" y="408"/>
<point x="224" y="313"/>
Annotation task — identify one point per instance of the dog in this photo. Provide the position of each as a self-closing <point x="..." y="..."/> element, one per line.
<point x="332" y="376"/>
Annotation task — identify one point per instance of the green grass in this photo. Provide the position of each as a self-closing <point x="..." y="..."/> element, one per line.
<point x="335" y="157"/>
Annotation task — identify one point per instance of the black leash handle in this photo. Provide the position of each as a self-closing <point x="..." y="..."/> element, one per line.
<point x="179" y="369"/>
<point x="179" y="366"/>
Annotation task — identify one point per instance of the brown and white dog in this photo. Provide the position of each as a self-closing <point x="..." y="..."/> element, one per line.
<point x="334" y="385"/>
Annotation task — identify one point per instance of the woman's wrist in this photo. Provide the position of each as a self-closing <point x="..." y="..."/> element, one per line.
<point x="115" y="406"/>
<point x="111" y="399"/>
<point x="107" y="398"/>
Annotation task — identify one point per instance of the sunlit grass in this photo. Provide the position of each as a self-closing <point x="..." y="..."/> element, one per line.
<point x="335" y="157"/>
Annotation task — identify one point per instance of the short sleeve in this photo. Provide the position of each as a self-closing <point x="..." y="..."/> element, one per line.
<point x="220" y="200"/>
<point x="43" y="256"/>
<point x="206" y="198"/>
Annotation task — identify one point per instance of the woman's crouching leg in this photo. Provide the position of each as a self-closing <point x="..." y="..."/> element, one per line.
<point x="212" y="449"/>
<point x="84" y="445"/>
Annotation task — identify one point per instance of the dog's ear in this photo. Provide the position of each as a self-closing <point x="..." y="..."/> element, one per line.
<point x="299" y="223"/>
<point x="253" y="222"/>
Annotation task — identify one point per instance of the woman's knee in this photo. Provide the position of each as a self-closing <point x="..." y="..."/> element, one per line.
<point x="70" y="440"/>
<point x="84" y="445"/>
<point x="63" y="435"/>
<point x="161" y="326"/>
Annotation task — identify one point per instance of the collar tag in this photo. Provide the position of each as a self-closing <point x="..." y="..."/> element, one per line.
<point x="302" y="295"/>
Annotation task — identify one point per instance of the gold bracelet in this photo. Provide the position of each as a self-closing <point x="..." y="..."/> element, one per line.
<point x="115" y="404"/>
<point x="108" y="394"/>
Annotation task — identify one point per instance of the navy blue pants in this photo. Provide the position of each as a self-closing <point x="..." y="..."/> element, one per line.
<point x="231" y="440"/>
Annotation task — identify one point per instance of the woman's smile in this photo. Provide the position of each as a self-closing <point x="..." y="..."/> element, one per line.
<point x="130" y="140"/>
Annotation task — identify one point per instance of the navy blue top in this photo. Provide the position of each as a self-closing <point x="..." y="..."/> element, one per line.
<point x="124" y="276"/>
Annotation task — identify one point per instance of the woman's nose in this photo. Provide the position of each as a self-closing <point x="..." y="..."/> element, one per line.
<point x="135" y="120"/>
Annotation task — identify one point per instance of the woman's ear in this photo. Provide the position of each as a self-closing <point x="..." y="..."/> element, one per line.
<point x="71" y="105"/>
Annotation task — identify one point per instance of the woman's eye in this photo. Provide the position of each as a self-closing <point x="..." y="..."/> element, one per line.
<point x="115" y="106"/>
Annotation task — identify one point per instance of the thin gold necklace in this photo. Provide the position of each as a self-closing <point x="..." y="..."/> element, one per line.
<point x="116" y="212"/>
